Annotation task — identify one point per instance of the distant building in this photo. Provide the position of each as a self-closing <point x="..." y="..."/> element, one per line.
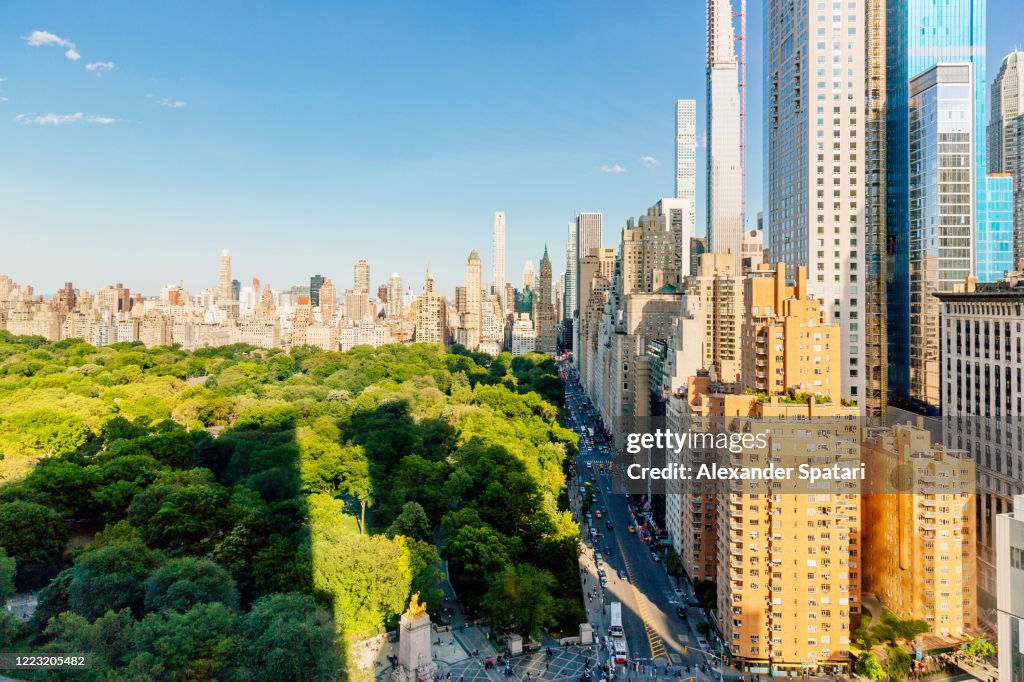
<point x="524" y="339"/>
<point x="315" y="282"/>
<point x="1010" y="561"/>
<point x="361" y="281"/>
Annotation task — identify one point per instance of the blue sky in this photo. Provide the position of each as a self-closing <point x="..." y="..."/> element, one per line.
<point x="303" y="135"/>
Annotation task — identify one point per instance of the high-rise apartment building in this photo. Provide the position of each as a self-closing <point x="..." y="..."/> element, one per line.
<point x="572" y="259"/>
<point x="919" y="545"/>
<point x="588" y="229"/>
<point x="544" y="313"/>
<point x="786" y="342"/>
<point x="315" y="282"/>
<point x="431" y="314"/>
<point x="395" y="306"/>
<point x="357" y="306"/>
<point x="686" y="157"/>
<point x="327" y="299"/>
<point x="224" y="283"/>
<point x="719" y="289"/>
<point x="524" y="338"/>
<point x="919" y="35"/>
<point x="698" y="247"/>
<point x="362" y="277"/>
<point x="498" y="284"/>
<point x="942" y="219"/>
<point x="814" y="94"/>
<point x="1003" y="143"/>
<point x="724" y="120"/>
<point x="470" y="317"/>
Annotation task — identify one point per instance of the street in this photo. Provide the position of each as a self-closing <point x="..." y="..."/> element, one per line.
<point x="649" y="599"/>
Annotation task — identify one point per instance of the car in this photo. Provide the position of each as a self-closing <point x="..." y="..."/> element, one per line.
<point x="597" y="555"/>
<point x="598" y="513"/>
<point x="593" y="532"/>
<point x="608" y="525"/>
<point x="656" y="557"/>
<point x="623" y="576"/>
<point x="608" y="550"/>
<point x="631" y="529"/>
<point x="604" y="582"/>
<point x="589" y="465"/>
<point x="681" y="612"/>
<point x="703" y="643"/>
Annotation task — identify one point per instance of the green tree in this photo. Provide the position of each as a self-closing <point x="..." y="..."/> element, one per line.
<point x="189" y="520"/>
<point x="289" y="637"/>
<point x="200" y="644"/>
<point x="110" y="578"/>
<point x="183" y="583"/>
<point x="979" y="647"/>
<point x="33" y="534"/>
<point x="475" y="553"/>
<point x="8" y="568"/>
<point x="520" y="599"/>
<point x="869" y="667"/>
<point x="412" y="523"/>
<point x="898" y="665"/>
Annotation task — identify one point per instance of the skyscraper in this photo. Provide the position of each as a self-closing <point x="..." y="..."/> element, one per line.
<point x="686" y="156"/>
<point x="588" y="236"/>
<point x="395" y="303"/>
<point x="431" y="314"/>
<point x="327" y="298"/>
<point x="315" y="282"/>
<point x="571" y="274"/>
<point x="471" y="316"/>
<point x="941" y="215"/>
<point x="544" y="313"/>
<point x="529" y="275"/>
<point x="724" y="153"/>
<point x="815" y="153"/>
<point x="1003" y="143"/>
<point x="876" y="380"/>
<point x="498" y="285"/>
<point x="362" y="277"/>
<point x="919" y="35"/>
<point x="225" y="275"/>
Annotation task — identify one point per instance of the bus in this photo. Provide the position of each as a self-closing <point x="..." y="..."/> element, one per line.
<point x="621" y="651"/>
<point x="615" y="630"/>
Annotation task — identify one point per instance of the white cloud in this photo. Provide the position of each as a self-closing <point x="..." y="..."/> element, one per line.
<point x="171" y="103"/>
<point x="99" y="67"/>
<point x="45" y="39"/>
<point x="42" y="38"/>
<point x="614" y="169"/>
<point x="650" y="161"/>
<point x="60" y="119"/>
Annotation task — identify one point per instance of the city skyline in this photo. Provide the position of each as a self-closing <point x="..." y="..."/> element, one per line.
<point x="197" y="121"/>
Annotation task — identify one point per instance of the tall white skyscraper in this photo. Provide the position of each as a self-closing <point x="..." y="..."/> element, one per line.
<point x="588" y="236"/>
<point x="498" y="285"/>
<point x="686" y="156"/>
<point x="724" y="157"/>
<point x="395" y="306"/>
<point x="814" y="145"/>
<point x="571" y="264"/>
<point x="225" y="275"/>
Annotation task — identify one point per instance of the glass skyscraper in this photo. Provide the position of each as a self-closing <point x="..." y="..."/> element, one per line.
<point x="994" y="245"/>
<point x="919" y="35"/>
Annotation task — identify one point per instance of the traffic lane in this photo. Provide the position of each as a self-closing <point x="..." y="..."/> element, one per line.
<point x="648" y="577"/>
<point x="622" y="591"/>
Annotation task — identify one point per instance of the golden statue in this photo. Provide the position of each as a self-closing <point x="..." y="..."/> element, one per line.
<point x="416" y="607"/>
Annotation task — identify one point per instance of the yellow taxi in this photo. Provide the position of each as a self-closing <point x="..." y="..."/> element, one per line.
<point x="631" y="529"/>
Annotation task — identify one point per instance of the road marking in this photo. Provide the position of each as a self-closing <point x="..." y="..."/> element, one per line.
<point x="654" y="640"/>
